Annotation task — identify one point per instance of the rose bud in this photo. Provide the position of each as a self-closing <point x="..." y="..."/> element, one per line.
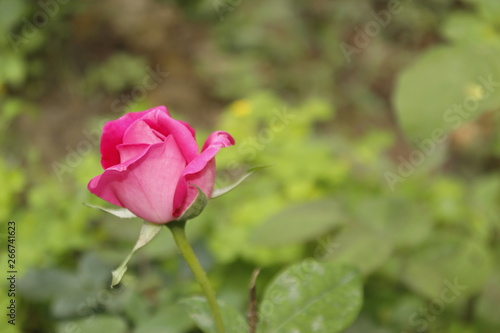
<point x="152" y="165"/>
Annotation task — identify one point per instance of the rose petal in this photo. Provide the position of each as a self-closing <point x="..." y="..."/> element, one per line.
<point x="145" y="185"/>
<point x="186" y="193"/>
<point x="200" y="172"/>
<point x="140" y="132"/>
<point x="113" y="132"/>
<point x="213" y="144"/>
<point x="131" y="151"/>
<point x="168" y="126"/>
<point x="190" y="129"/>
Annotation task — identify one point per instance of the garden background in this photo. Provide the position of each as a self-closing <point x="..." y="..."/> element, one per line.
<point x="379" y="120"/>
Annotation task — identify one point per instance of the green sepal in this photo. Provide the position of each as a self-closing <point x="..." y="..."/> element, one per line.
<point x="221" y="191"/>
<point x="196" y="207"/>
<point x="148" y="232"/>
<point x="123" y="213"/>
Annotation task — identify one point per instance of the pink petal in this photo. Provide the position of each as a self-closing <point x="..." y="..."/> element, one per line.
<point x="190" y="129"/>
<point x="131" y="151"/>
<point x="186" y="193"/>
<point x="218" y="138"/>
<point x="200" y="172"/>
<point x="113" y="132"/>
<point x="168" y="126"/>
<point x="213" y="144"/>
<point x="140" y="132"/>
<point x="145" y="185"/>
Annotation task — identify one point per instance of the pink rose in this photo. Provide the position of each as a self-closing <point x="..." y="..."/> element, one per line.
<point x="150" y="161"/>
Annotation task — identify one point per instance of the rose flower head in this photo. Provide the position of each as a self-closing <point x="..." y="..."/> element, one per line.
<point x="153" y="166"/>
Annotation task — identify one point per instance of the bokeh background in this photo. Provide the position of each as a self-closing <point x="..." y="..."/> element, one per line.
<point x="379" y="119"/>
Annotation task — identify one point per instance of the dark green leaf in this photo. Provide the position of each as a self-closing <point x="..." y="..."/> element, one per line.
<point x="445" y="260"/>
<point x="446" y="88"/>
<point x="311" y="297"/>
<point x="359" y="247"/>
<point x="94" y="324"/>
<point x="200" y="313"/>
<point x="170" y="318"/>
<point x="299" y="223"/>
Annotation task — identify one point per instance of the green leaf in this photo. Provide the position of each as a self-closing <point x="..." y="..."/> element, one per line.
<point x="201" y="314"/>
<point x="170" y="318"/>
<point x="468" y="28"/>
<point x="10" y="14"/>
<point x="446" y="88"/>
<point x="94" y="324"/>
<point x="13" y="70"/>
<point x="148" y="232"/>
<point x="488" y="9"/>
<point x="446" y="259"/>
<point x="42" y="285"/>
<point x="299" y="223"/>
<point x="311" y="297"/>
<point x="355" y="246"/>
<point x="396" y="219"/>
<point x="93" y="272"/>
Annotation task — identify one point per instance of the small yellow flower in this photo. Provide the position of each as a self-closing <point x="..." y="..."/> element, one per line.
<point x="475" y="91"/>
<point x="241" y="108"/>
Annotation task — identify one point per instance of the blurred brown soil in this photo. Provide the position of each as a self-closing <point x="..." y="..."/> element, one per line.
<point x="155" y="31"/>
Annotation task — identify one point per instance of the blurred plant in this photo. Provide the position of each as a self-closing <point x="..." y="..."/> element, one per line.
<point x="327" y="196"/>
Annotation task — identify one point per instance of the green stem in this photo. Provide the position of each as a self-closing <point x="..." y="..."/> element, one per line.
<point x="178" y="231"/>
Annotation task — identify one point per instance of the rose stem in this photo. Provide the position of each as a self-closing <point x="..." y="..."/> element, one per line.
<point x="178" y="231"/>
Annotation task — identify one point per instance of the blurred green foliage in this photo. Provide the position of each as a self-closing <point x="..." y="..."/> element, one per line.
<point x="385" y="161"/>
